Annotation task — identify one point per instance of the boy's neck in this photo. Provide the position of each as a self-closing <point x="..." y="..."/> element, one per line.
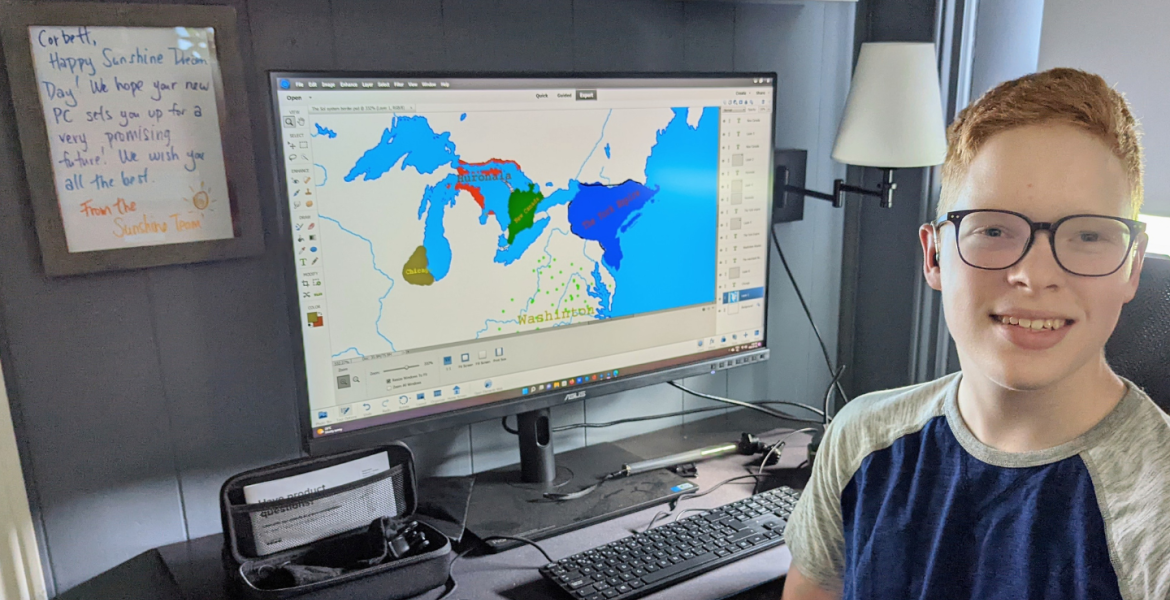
<point x="1014" y="421"/>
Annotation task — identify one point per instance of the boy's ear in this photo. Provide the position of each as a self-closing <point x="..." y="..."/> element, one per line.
<point x="930" y="264"/>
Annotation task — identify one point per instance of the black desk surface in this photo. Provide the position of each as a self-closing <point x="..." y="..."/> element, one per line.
<point x="512" y="575"/>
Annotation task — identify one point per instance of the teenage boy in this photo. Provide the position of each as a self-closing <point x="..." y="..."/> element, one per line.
<point x="1035" y="472"/>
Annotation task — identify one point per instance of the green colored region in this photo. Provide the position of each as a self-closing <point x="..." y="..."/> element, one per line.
<point x="415" y="271"/>
<point x="522" y="208"/>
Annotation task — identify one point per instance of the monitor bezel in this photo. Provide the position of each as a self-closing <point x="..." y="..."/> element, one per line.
<point x="380" y="434"/>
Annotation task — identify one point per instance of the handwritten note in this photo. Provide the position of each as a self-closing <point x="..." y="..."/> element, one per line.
<point x="134" y="131"/>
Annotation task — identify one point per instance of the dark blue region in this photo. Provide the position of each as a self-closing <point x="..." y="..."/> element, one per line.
<point x="668" y="246"/>
<point x="599" y="211"/>
<point x="325" y="131"/>
<point x="924" y="519"/>
<point x="599" y="291"/>
<point x="411" y="140"/>
<point x="607" y="151"/>
<point x="463" y="117"/>
<point x="743" y="295"/>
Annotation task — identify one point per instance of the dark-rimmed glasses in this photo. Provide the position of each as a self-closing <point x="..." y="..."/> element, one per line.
<point x="1085" y="245"/>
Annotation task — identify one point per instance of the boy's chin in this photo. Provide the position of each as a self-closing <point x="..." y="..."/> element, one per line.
<point x="1027" y="376"/>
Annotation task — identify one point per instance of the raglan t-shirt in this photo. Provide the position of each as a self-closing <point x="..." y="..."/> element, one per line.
<point x="905" y="503"/>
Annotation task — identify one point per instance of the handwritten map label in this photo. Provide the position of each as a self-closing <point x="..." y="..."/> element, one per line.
<point x="134" y="132"/>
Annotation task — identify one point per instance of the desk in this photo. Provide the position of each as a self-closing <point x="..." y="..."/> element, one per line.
<point x="512" y="575"/>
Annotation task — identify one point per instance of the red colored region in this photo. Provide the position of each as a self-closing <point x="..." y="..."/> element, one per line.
<point x="491" y="161"/>
<point x="474" y="191"/>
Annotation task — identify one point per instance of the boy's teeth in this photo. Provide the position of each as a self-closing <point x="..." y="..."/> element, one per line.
<point x="1034" y="325"/>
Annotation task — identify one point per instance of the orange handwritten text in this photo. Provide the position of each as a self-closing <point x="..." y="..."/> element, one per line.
<point x="138" y="227"/>
<point x="120" y="206"/>
<point x="182" y="225"/>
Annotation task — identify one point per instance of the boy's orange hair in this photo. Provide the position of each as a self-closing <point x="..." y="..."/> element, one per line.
<point x="1061" y="95"/>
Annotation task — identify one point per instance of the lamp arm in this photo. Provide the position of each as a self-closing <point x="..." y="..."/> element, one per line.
<point x="885" y="189"/>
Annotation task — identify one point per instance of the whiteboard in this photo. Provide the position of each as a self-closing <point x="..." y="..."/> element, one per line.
<point x="133" y="121"/>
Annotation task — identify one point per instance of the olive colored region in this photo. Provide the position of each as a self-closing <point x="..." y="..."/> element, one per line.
<point x="416" y="271"/>
<point x="522" y="208"/>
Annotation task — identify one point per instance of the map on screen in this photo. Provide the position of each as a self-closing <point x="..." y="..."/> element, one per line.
<point x="453" y="226"/>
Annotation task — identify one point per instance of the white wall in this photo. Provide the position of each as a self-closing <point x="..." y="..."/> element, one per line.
<point x="1007" y="42"/>
<point x="1126" y="42"/>
<point x="21" y="577"/>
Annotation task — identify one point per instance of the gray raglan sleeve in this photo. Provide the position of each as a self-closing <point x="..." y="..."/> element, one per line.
<point x="815" y="533"/>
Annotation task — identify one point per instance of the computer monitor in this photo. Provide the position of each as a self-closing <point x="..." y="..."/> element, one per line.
<point x="462" y="248"/>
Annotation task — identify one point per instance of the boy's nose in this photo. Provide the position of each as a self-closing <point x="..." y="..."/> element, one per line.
<point x="1038" y="269"/>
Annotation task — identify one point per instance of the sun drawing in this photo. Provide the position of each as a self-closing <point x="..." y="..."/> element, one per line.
<point x="200" y="199"/>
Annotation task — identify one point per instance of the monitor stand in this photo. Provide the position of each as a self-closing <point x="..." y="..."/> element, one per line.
<point x="510" y="501"/>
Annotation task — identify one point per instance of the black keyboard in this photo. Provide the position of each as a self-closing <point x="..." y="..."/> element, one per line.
<point x="639" y="564"/>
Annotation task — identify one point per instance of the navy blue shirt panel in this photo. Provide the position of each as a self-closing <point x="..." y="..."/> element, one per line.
<point x="923" y="519"/>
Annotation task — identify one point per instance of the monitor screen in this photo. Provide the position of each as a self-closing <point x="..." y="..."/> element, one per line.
<point x="459" y="242"/>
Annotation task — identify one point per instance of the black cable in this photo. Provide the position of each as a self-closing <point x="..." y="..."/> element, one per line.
<point x="523" y="541"/>
<point x="808" y="313"/>
<point x="751" y="405"/>
<point x="581" y="493"/>
<point x="453" y="585"/>
<point x="696" y="494"/>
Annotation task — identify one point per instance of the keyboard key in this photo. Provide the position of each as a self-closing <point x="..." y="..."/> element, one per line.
<point x="611" y="594"/>
<point x="586" y="591"/>
<point x="622" y="589"/>
<point x="576" y="583"/>
<point x="636" y="584"/>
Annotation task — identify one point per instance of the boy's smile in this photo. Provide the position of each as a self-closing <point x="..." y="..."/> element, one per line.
<point x="1032" y="325"/>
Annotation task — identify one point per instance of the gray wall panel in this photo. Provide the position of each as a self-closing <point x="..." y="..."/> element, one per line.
<point x="627" y="35"/>
<point x="386" y="35"/>
<point x="708" y="36"/>
<point x="508" y="35"/>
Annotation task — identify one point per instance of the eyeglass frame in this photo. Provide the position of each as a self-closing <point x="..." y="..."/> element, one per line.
<point x="1136" y="228"/>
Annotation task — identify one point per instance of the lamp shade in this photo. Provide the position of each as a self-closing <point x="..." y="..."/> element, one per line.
<point x="893" y="117"/>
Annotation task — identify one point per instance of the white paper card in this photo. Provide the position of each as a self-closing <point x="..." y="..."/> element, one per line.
<point x="134" y="134"/>
<point x="306" y="522"/>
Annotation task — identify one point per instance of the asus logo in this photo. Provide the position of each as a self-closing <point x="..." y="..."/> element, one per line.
<point x="574" y="396"/>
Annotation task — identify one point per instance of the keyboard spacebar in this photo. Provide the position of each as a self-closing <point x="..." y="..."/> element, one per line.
<point x="682" y="567"/>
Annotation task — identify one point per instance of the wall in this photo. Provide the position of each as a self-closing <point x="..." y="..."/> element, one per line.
<point x="1007" y="42"/>
<point x="1125" y="42"/>
<point x="137" y="393"/>
<point x="21" y="575"/>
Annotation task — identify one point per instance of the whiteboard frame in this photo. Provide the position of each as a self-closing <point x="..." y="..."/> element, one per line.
<point x="239" y="157"/>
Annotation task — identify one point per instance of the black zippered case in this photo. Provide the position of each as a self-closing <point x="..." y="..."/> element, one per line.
<point x="251" y="572"/>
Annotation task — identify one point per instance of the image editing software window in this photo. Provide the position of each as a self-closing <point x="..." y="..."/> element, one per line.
<point x="463" y="241"/>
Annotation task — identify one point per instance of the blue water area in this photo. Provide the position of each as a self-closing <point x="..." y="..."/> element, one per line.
<point x="600" y="291"/>
<point x="561" y="196"/>
<point x="463" y="117"/>
<point x="548" y="184"/>
<point x="437" y="198"/>
<point x="607" y="151"/>
<point x="669" y="246"/>
<point x="411" y="140"/>
<point x="507" y="254"/>
<point x="495" y="180"/>
<point x="598" y="212"/>
<point x="324" y="131"/>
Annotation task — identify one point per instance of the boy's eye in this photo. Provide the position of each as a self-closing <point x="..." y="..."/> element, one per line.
<point x="1089" y="236"/>
<point x="989" y="232"/>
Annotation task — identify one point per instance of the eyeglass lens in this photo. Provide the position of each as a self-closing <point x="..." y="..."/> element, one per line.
<point x="1083" y="245"/>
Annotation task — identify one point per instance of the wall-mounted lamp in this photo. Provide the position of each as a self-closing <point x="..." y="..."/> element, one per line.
<point x="893" y="119"/>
